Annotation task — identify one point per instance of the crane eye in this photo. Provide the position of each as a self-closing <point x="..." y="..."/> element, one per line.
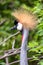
<point x="15" y="22"/>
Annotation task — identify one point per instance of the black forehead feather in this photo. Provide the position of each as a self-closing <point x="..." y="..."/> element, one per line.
<point x="15" y="22"/>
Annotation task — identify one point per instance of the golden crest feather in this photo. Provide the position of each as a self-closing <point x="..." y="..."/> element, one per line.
<point x="28" y="19"/>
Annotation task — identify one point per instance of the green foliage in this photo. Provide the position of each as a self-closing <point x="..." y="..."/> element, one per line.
<point x="41" y="62"/>
<point x="35" y="42"/>
<point x="2" y="63"/>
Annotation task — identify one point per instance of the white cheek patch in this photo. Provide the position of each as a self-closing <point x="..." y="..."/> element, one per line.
<point x="19" y="26"/>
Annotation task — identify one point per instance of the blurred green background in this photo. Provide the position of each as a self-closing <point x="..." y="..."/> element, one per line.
<point x="35" y="40"/>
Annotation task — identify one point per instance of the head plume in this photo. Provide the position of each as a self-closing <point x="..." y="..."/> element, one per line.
<point x="25" y="17"/>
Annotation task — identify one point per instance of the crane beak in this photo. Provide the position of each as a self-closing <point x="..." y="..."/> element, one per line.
<point x="13" y="28"/>
<point x="17" y="27"/>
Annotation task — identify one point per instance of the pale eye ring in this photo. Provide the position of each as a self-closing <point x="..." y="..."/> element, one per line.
<point x="19" y="26"/>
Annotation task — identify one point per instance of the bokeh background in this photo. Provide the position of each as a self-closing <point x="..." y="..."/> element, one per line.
<point x="35" y="40"/>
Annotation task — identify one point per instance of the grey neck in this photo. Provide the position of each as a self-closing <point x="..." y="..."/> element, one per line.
<point x="23" y="54"/>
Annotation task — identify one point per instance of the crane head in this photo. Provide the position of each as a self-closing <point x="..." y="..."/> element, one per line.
<point x="17" y="26"/>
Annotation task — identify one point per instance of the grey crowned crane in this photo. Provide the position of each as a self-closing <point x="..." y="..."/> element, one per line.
<point x="26" y="21"/>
